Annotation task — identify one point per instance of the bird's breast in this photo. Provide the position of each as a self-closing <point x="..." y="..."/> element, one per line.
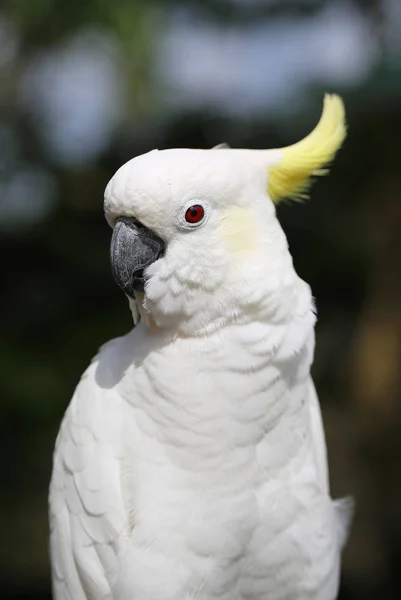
<point x="218" y="441"/>
<point x="222" y="409"/>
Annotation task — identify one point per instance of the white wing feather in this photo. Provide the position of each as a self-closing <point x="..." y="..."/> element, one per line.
<point x="318" y="438"/>
<point x="344" y="507"/>
<point x="89" y="521"/>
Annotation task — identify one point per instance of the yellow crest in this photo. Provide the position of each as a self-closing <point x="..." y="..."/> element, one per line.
<point x="305" y="159"/>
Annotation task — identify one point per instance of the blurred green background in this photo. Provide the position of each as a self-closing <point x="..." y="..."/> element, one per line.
<point x="87" y="85"/>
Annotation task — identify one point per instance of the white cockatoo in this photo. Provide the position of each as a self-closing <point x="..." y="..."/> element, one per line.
<point x="191" y="463"/>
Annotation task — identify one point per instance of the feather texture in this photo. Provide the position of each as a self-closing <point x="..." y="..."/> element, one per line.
<point x="88" y="519"/>
<point x="291" y="178"/>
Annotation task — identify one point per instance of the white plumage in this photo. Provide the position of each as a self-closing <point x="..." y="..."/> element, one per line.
<point x="191" y="462"/>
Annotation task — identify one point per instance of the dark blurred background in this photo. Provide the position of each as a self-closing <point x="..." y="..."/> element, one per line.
<point x="87" y="85"/>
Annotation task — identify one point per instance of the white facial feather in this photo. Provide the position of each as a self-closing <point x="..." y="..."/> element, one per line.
<point x="237" y="256"/>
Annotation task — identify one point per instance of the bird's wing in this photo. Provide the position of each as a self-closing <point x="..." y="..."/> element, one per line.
<point x="344" y="507"/>
<point x="318" y="437"/>
<point x="89" y="520"/>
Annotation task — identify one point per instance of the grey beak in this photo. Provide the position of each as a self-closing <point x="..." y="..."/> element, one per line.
<point x="133" y="248"/>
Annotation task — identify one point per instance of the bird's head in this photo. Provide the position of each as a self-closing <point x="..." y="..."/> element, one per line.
<point x="196" y="240"/>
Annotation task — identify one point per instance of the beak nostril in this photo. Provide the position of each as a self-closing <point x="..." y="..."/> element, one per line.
<point x="138" y="224"/>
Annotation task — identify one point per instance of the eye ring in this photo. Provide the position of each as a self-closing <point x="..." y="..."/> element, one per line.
<point x="193" y="214"/>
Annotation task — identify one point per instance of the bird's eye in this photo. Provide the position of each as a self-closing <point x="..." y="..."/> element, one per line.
<point x="195" y="214"/>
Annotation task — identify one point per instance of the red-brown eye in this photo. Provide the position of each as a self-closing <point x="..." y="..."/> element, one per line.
<point x="194" y="214"/>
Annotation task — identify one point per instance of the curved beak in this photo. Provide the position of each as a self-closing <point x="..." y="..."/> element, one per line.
<point x="133" y="248"/>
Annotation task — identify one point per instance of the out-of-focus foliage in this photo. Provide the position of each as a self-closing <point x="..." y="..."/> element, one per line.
<point x="84" y="86"/>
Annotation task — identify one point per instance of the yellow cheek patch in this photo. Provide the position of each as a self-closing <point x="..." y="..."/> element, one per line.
<point x="238" y="230"/>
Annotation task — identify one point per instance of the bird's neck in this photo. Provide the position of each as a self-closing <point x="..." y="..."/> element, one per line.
<point x="276" y="306"/>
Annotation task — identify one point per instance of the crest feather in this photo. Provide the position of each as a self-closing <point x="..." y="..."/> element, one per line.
<point x="291" y="178"/>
